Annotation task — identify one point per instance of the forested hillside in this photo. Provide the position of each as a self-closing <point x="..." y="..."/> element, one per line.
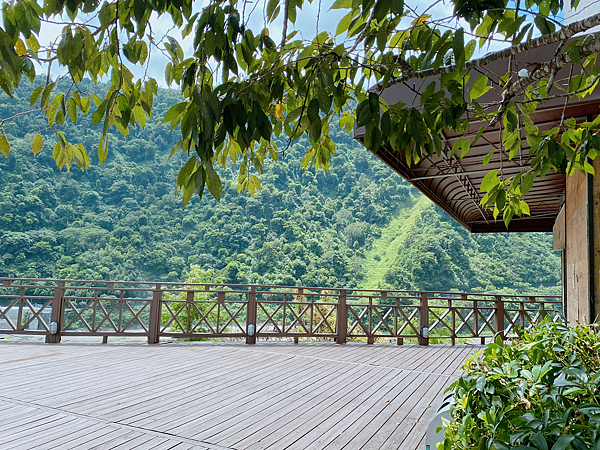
<point x="357" y="225"/>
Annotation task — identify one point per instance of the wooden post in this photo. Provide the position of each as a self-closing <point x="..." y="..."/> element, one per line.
<point x="423" y="319"/>
<point x="341" y="321"/>
<point x="20" y="310"/>
<point x="400" y="341"/>
<point x="543" y="312"/>
<point x="499" y="316"/>
<point x="189" y="300"/>
<point x="251" y="315"/>
<point x="56" y="315"/>
<point x="453" y="314"/>
<point x="370" y="334"/>
<point x="155" y="310"/>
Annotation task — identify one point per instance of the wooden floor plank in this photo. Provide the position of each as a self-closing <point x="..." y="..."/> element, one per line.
<point x="222" y="396"/>
<point x="252" y="403"/>
<point x="77" y="429"/>
<point x="291" y="392"/>
<point x="292" y="423"/>
<point x="82" y="441"/>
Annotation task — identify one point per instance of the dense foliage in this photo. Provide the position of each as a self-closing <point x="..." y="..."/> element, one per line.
<point x="241" y="89"/>
<point x="357" y="225"/>
<point x="540" y="392"/>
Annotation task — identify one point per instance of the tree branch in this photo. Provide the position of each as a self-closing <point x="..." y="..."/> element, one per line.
<point x="20" y="114"/>
<point x="286" y="6"/>
<point x="543" y="71"/>
<point x="558" y="36"/>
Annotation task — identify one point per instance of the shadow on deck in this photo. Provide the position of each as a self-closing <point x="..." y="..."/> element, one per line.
<point x="222" y="396"/>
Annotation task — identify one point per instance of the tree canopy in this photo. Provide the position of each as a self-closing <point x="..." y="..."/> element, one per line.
<point x="242" y="88"/>
<point x="357" y="225"/>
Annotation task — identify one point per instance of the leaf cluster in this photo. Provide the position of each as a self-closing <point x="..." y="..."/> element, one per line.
<point x="245" y="96"/>
<point x="539" y="392"/>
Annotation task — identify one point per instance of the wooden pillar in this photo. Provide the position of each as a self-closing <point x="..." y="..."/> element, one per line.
<point x="370" y="334"/>
<point x="341" y="321"/>
<point x="423" y="319"/>
<point x="155" y="312"/>
<point x="56" y="315"/>
<point x="189" y="301"/>
<point x="499" y="316"/>
<point x="251" y="315"/>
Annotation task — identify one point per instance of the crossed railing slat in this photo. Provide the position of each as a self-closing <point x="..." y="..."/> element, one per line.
<point x="290" y="311"/>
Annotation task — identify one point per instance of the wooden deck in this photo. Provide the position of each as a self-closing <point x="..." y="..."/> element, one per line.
<point x="310" y="396"/>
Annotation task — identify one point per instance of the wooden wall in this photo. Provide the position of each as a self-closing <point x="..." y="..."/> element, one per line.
<point x="577" y="249"/>
<point x="596" y="220"/>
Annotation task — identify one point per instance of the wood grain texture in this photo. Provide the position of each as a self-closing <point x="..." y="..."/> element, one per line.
<point x="223" y="396"/>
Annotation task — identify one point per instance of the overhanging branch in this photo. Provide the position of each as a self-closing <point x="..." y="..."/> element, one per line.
<point x="551" y="38"/>
<point x="552" y="66"/>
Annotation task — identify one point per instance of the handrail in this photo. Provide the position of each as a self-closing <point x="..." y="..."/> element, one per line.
<point x="58" y="308"/>
<point x="171" y="283"/>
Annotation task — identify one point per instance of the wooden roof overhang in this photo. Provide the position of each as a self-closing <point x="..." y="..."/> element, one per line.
<point x="454" y="184"/>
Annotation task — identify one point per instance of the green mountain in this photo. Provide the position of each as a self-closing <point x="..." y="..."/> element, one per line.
<point x="358" y="225"/>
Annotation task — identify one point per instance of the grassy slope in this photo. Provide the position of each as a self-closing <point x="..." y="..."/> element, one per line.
<point x="385" y="249"/>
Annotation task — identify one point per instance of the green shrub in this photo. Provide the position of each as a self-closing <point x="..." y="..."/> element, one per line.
<point x="540" y="391"/>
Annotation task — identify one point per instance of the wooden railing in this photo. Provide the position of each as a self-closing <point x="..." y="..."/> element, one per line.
<point x="56" y="308"/>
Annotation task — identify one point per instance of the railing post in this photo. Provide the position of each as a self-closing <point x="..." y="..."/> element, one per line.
<point x="499" y="316"/>
<point x="56" y="315"/>
<point x="423" y="320"/>
<point x="341" y="321"/>
<point x="453" y="314"/>
<point x="20" y="310"/>
<point x="399" y="341"/>
<point x="370" y="334"/>
<point x="155" y="310"/>
<point x="251" y="325"/>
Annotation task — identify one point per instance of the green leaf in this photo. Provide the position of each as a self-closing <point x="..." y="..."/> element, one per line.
<point x="183" y="177"/>
<point x="46" y="95"/>
<point x="341" y="4"/>
<point x="271" y="5"/>
<point x="487" y="158"/>
<point x="188" y="191"/>
<point x="36" y="144"/>
<point x="545" y="26"/>
<point x="35" y="95"/>
<point x="563" y="442"/>
<point x="490" y="180"/>
<point x="103" y="149"/>
<point x="214" y="182"/>
<point x="501" y="199"/>
<point x="4" y="146"/>
<point x="508" y="215"/>
<point x="72" y="109"/>
<point x="527" y="183"/>
<point x="478" y="136"/>
<point x="174" y="114"/>
<point x="458" y="47"/>
<point x="479" y="87"/>
<point x="466" y="146"/>
<point x="470" y="49"/>
<point x="386" y="124"/>
<point x="313" y="110"/>
<point x="382" y="8"/>
<point x="480" y="383"/>
<point x="344" y="23"/>
<point x="364" y="114"/>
